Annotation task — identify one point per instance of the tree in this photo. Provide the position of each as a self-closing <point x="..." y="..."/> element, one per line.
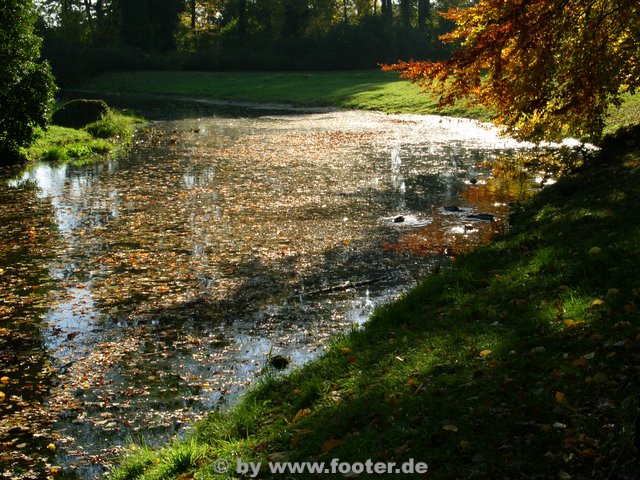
<point x="549" y="68"/>
<point x="28" y="86"/>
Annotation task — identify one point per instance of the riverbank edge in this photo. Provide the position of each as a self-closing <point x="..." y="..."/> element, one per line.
<point x="106" y="137"/>
<point x="519" y="359"/>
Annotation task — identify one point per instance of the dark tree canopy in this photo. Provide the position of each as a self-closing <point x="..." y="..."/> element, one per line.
<point x="550" y="68"/>
<point x="26" y="97"/>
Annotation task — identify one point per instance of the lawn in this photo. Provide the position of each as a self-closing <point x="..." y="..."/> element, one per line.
<point x="367" y="90"/>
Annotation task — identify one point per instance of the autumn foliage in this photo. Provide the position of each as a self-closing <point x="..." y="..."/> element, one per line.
<point x="549" y="68"/>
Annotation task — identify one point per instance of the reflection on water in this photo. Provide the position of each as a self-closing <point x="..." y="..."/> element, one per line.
<point x="156" y="285"/>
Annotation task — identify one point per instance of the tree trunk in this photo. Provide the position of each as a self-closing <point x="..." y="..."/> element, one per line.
<point x="405" y="12"/>
<point x="424" y="10"/>
<point x="193" y="14"/>
<point x="242" y="20"/>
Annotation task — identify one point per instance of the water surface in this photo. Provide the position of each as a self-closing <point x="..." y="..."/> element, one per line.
<point x="138" y="293"/>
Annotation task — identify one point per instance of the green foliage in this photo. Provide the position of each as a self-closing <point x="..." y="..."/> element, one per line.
<point x="79" y="113"/>
<point x="28" y="86"/>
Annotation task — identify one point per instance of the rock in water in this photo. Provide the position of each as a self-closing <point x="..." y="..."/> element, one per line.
<point x="279" y="362"/>
<point x="486" y="217"/>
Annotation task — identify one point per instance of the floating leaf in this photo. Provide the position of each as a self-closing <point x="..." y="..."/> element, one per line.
<point x="51" y="447"/>
<point x="2" y="395"/>
<point x="4" y="380"/>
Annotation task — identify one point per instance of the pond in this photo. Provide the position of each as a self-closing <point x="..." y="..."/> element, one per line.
<point x="140" y="292"/>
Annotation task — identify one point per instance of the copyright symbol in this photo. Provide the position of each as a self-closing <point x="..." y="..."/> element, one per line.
<point x="221" y="466"/>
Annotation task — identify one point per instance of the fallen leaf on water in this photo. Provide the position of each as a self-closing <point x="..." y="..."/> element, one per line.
<point x="331" y="444"/>
<point x="4" y="380"/>
<point x="2" y="395"/>
<point x="51" y="447"/>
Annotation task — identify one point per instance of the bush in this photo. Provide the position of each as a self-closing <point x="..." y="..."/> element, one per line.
<point x="79" y="113"/>
<point x="26" y="96"/>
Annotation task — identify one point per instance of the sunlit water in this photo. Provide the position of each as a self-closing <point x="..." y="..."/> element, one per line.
<point x="138" y="293"/>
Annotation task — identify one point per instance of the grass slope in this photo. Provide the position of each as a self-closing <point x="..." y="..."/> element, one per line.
<point x="367" y="90"/>
<point x="519" y="361"/>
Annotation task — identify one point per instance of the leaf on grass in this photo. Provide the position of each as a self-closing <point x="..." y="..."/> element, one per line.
<point x="600" y="377"/>
<point x="580" y="362"/>
<point x="594" y="250"/>
<point x="597" y="302"/>
<point x="2" y="395"/>
<point x="485" y="353"/>
<point x="4" y="380"/>
<point x="52" y="447"/>
<point x="331" y="444"/>
<point x="560" y="397"/>
<point x="301" y="413"/>
<point x="450" y="428"/>
<point x="4" y="332"/>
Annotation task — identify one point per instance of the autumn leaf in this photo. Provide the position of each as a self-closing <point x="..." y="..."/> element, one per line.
<point x="560" y="397"/>
<point x="580" y="362"/>
<point x="450" y="428"/>
<point x="331" y="444"/>
<point x="4" y="380"/>
<point x="301" y="413"/>
<point x="485" y="353"/>
<point x="597" y="302"/>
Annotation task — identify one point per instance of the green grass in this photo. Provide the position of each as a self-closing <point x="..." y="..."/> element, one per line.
<point x="106" y="136"/>
<point x="367" y="90"/>
<point x="519" y="361"/>
<point x="627" y="114"/>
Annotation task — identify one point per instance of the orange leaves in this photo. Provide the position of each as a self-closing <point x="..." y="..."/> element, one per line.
<point x="543" y="84"/>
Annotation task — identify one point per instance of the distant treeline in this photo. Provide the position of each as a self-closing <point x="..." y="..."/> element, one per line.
<point x="87" y="37"/>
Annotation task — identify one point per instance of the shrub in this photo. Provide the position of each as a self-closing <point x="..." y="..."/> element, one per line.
<point x="80" y="113"/>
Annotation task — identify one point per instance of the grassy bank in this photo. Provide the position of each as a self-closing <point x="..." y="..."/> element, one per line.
<point x="519" y="361"/>
<point x="112" y="133"/>
<point x="367" y="90"/>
